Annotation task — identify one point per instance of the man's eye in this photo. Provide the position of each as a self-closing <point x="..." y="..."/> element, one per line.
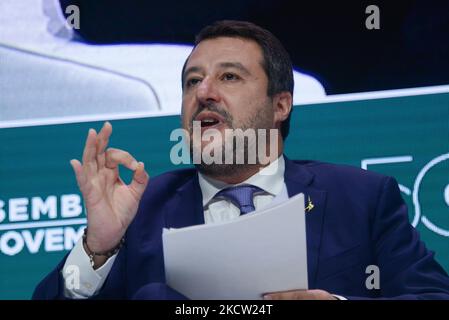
<point x="192" y="82"/>
<point x="230" y="77"/>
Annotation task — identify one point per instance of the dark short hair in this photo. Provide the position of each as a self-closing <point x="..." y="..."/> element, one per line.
<point x="276" y="63"/>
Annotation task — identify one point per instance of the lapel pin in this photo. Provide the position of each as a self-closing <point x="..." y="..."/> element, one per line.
<point x="310" y="205"/>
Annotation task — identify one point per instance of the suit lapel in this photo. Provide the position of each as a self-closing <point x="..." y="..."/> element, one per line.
<point x="298" y="179"/>
<point x="187" y="207"/>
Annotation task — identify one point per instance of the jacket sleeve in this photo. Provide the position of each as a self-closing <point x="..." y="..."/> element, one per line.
<point x="407" y="268"/>
<point x="52" y="286"/>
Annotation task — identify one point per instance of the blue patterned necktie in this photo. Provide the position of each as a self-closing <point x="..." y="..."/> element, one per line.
<point x="241" y="196"/>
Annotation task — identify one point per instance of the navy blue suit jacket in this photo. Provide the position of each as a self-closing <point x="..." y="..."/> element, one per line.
<point x="359" y="219"/>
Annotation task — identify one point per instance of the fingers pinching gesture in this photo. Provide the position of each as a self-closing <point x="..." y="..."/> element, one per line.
<point x="110" y="203"/>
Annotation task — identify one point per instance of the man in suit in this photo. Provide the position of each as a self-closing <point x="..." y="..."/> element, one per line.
<point x="239" y="76"/>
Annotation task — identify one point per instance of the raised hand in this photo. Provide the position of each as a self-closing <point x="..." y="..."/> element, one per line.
<point x="111" y="204"/>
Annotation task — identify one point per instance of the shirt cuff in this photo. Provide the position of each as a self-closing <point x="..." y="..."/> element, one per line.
<point x="81" y="281"/>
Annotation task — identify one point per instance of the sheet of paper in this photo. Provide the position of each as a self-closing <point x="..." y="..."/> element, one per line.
<point x="261" y="252"/>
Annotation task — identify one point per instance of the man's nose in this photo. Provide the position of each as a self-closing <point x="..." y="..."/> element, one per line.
<point x="207" y="91"/>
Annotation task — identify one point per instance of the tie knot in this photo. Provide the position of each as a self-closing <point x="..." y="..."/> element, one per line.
<point x="242" y="196"/>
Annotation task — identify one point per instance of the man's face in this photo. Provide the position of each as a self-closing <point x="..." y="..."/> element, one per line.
<point x="225" y="87"/>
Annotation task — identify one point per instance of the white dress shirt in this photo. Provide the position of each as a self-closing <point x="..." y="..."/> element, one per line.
<point x="270" y="179"/>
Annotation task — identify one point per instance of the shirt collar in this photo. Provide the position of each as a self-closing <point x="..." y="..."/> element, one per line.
<point x="270" y="179"/>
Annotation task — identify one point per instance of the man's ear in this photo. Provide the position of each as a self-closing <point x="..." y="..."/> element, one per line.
<point x="282" y="104"/>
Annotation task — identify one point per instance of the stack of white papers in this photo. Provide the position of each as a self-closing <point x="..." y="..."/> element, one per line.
<point x="261" y="252"/>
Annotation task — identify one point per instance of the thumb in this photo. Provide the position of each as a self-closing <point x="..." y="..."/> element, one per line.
<point x="140" y="180"/>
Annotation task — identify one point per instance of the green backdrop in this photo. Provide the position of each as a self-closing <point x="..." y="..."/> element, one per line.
<point x="41" y="216"/>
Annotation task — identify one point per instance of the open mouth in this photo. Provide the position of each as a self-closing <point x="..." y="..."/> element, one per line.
<point x="209" y="123"/>
<point x="209" y="119"/>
